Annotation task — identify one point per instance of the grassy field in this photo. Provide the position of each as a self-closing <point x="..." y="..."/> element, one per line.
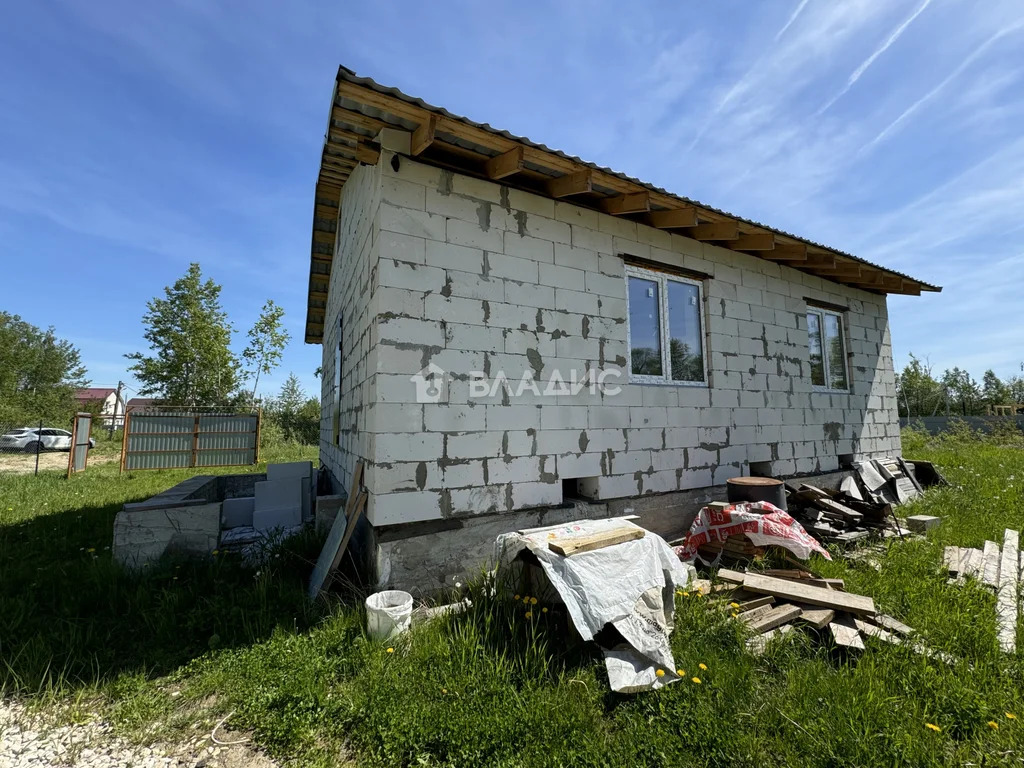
<point x="494" y="687"/>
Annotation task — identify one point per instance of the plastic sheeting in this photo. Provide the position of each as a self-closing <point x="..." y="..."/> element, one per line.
<point x="630" y="586"/>
<point x="764" y="524"/>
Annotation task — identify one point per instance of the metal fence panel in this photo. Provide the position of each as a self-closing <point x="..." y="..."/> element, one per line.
<point x="180" y="439"/>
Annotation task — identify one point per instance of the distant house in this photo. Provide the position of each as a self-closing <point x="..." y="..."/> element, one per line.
<point x="464" y="280"/>
<point x="142" y="403"/>
<point x="111" y="404"/>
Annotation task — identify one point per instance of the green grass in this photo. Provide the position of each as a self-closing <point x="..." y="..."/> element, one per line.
<point x="492" y="687"/>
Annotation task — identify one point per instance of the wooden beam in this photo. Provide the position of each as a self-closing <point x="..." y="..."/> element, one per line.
<point x="323" y="237"/>
<point x="325" y="212"/>
<point x="804" y="593"/>
<point x="787" y="252"/>
<point x="634" y="202"/>
<point x="719" y="230"/>
<point x="573" y="544"/>
<point x="340" y="134"/>
<point x="367" y="153"/>
<point x="571" y="184"/>
<point x="757" y="241"/>
<point x="505" y="164"/>
<point x="423" y="136"/>
<point x="676" y="218"/>
<point x="358" y="119"/>
<point x="1006" y="595"/>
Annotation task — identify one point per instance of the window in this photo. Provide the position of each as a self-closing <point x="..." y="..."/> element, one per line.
<point x="666" y="329"/>
<point x="336" y="391"/>
<point x="827" y="347"/>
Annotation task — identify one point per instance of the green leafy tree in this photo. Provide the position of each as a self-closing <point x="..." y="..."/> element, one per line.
<point x="267" y="340"/>
<point x="993" y="390"/>
<point x="963" y="392"/>
<point x="39" y="373"/>
<point x="1015" y="389"/>
<point x="297" y="415"/>
<point x="918" y="393"/>
<point x="190" y="339"/>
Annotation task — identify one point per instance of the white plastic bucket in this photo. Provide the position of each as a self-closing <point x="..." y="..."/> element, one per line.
<point x="388" y="613"/>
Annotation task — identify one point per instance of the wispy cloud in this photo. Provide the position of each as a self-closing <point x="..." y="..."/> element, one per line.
<point x="793" y="16"/>
<point x="862" y="68"/>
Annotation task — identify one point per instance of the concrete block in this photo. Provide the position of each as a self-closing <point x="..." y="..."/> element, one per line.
<point x="278" y="503"/>
<point x="327" y="509"/>
<point x="452" y="256"/>
<point x="143" y="536"/>
<point x="393" y="245"/>
<point x="454" y="418"/>
<point x="512" y="268"/>
<point x="529" y="247"/>
<point x="474" y="445"/>
<point x="535" y="494"/>
<point x="428" y="446"/>
<point x="471" y="234"/>
<point x="464" y="473"/>
<point x="406" y="221"/>
<point x="236" y="513"/>
<point x="409" y="507"/>
<point x="514" y="469"/>
<point x="923" y="523"/>
<point x="479" y="500"/>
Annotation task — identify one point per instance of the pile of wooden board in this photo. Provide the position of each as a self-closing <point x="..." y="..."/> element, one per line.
<point x="837" y="516"/>
<point x="775" y="602"/>
<point x="1000" y="570"/>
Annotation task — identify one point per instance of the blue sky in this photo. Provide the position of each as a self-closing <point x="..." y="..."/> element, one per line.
<point x="137" y="137"/>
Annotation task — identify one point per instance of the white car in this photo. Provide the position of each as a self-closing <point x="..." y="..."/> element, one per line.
<point x="33" y="439"/>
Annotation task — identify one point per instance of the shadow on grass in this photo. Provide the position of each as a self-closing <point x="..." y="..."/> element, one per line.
<point x="70" y="617"/>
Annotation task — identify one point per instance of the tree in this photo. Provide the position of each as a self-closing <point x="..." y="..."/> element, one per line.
<point x="918" y="393"/>
<point x="190" y="337"/>
<point x="267" y="340"/>
<point x="39" y="372"/>
<point x="963" y="391"/>
<point x="297" y="415"/>
<point x="993" y="390"/>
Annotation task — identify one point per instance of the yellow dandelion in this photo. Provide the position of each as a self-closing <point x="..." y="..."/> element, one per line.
<point x="444" y="690"/>
<point x="932" y="727"/>
<point x="517" y="597"/>
<point x="993" y="725"/>
<point x="679" y="592"/>
<point x="529" y="614"/>
<point x="734" y="605"/>
<point x="543" y="610"/>
<point x="91" y="549"/>
<point x="734" y="614"/>
<point x="696" y="680"/>
<point x="215" y="552"/>
<point x="685" y="594"/>
<point x="391" y="650"/>
<point x="533" y="601"/>
<point x="1010" y="716"/>
<point x="703" y="667"/>
<point x="660" y="673"/>
<point x="681" y="672"/>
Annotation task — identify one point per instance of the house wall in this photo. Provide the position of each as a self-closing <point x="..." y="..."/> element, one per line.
<point x="473" y="275"/>
<point x="348" y="320"/>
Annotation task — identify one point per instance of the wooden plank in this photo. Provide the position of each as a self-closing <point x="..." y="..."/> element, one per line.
<point x="805" y="593"/>
<point x="891" y="624"/>
<point x="676" y="218"/>
<point x="505" y="164"/>
<point x="815" y="616"/>
<point x="755" y="614"/>
<point x="846" y="634"/>
<point x="732" y="577"/>
<point x="367" y="153"/>
<point x="634" y="202"/>
<point x="571" y="184"/>
<point x="339" y="536"/>
<point x="840" y="509"/>
<point x="571" y="546"/>
<point x="951" y="560"/>
<point x="758" y="643"/>
<point x="975" y="563"/>
<point x="423" y="136"/>
<point x="990" y="564"/>
<point x="787" y="252"/>
<point x="757" y="602"/>
<point x="719" y="230"/>
<point x="758" y="241"/>
<point x="774" y="617"/>
<point x="870" y="630"/>
<point x="1006" y="596"/>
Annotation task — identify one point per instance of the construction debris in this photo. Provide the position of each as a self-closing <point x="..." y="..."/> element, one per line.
<point x="791" y="598"/>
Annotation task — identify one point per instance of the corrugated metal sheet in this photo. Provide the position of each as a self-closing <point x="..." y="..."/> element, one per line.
<point x="182" y="440"/>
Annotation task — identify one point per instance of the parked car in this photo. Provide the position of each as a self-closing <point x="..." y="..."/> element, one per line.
<point x="33" y="439"/>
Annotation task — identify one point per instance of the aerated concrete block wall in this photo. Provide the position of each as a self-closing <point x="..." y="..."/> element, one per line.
<point x="349" y="319"/>
<point x="474" y="276"/>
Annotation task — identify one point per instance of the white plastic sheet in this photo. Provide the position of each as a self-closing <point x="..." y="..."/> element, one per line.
<point x="630" y="586"/>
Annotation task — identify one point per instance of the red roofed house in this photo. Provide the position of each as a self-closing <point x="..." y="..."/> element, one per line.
<point x="107" y="398"/>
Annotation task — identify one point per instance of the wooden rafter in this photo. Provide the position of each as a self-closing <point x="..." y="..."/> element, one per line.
<point x="505" y="164"/>
<point x="340" y="134"/>
<point x="787" y="252"/>
<point x="756" y="241"/>
<point x="634" y="202"/>
<point x="367" y="153"/>
<point x="423" y="136"/>
<point x="675" y="218"/>
<point x="357" y="119"/>
<point x="578" y="183"/>
<point x="715" y="231"/>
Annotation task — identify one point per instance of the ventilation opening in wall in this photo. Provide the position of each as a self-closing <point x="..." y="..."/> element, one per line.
<point x="760" y="469"/>
<point x="846" y="461"/>
<point x="570" y="489"/>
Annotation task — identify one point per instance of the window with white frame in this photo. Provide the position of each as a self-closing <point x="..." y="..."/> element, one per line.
<point x="827" y="345"/>
<point x="665" y="328"/>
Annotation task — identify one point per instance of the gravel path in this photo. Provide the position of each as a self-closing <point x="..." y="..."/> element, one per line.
<point x="26" y="741"/>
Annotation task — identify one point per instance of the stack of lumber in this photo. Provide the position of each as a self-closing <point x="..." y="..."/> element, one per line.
<point x="1000" y="570"/>
<point x="734" y="549"/>
<point x="837" y="517"/>
<point x="776" y="602"/>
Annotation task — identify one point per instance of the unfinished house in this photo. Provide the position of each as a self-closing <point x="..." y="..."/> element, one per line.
<point x="460" y="275"/>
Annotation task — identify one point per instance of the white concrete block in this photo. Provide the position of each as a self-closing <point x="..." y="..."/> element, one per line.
<point x="278" y="503"/>
<point x="407" y="507"/>
<point x="236" y="513"/>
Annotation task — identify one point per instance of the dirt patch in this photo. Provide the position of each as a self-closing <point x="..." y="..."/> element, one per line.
<point x="25" y="463"/>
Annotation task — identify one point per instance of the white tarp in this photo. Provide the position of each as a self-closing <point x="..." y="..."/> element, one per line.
<point x="630" y="586"/>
